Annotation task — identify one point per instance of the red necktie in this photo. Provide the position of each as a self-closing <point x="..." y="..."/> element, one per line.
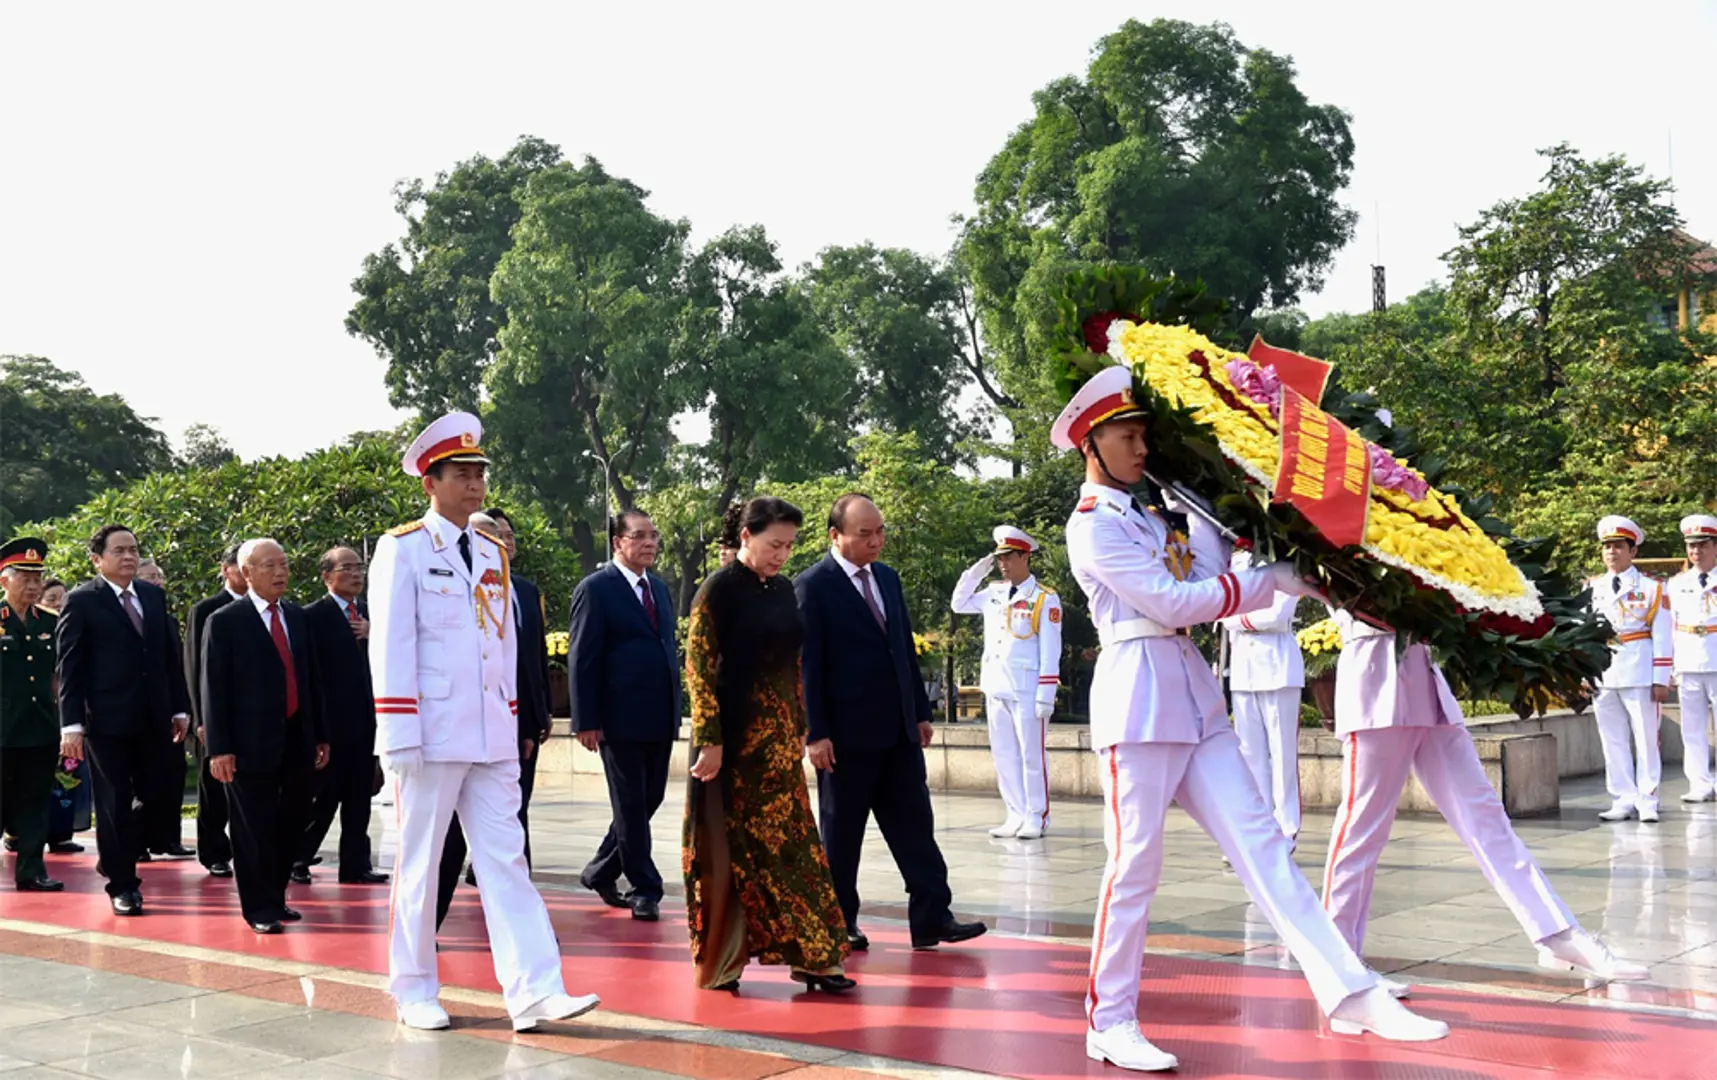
<point x="649" y="603"/>
<point x="352" y="614"/>
<point x="278" y="633"/>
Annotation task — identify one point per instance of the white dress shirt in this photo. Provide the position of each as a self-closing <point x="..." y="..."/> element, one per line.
<point x="852" y="571"/>
<point x="262" y="610"/>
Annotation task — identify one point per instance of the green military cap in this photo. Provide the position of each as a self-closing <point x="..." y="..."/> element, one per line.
<point x="24" y="553"/>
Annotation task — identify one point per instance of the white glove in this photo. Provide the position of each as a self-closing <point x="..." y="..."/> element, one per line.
<point x="1172" y="503"/>
<point x="984" y="563"/>
<point x="1282" y="575"/>
<point x="403" y="763"/>
<point x="1045" y="709"/>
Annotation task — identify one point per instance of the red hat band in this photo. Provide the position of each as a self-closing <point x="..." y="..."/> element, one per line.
<point x="1102" y="409"/>
<point x="459" y="444"/>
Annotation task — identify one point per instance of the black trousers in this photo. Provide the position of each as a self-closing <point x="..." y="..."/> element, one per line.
<point x="637" y="779"/>
<point x="162" y="809"/>
<point x="213" y="846"/>
<point x="890" y="784"/>
<point x="123" y="767"/>
<point x="454" y="850"/>
<point x="269" y="808"/>
<point x="343" y="787"/>
<point x="26" y="782"/>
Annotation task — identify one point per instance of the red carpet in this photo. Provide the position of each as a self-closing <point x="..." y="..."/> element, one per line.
<point x="997" y="1005"/>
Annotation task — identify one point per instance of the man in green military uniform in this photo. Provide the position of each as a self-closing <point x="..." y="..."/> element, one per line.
<point x="29" y="714"/>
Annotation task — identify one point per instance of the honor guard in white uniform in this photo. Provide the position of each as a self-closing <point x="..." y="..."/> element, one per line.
<point x="1636" y="684"/>
<point x="1692" y="599"/>
<point x="1158" y="725"/>
<point x="1020" y="674"/>
<point x="1395" y="715"/>
<point x="445" y="668"/>
<point x="1266" y="677"/>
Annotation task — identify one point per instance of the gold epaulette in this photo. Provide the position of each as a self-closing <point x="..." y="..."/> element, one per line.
<point x="51" y="611"/>
<point x="491" y="537"/>
<point x="408" y="527"/>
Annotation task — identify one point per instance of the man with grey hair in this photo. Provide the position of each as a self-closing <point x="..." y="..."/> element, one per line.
<point x="262" y="717"/>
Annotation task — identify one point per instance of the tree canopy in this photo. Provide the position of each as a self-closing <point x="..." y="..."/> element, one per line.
<point x="65" y="442"/>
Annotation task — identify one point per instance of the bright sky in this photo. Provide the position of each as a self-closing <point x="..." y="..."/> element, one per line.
<point x="189" y="189"/>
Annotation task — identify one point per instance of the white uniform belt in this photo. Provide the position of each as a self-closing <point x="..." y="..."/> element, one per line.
<point x="1132" y="630"/>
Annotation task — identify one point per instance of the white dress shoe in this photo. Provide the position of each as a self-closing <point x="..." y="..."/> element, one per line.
<point x="1699" y="796"/>
<point x="555" y="1007"/>
<point x="1617" y="812"/>
<point x="424" y="1016"/>
<point x="1029" y="831"/>
<point x="1125" y="1045"/>
<point x="1395" y="988"/>
<point x="1648" y="814"/>
<point x="1375" y="1011"/>
<point x="1576" y="950"/>
<point x="1010" y="827"/>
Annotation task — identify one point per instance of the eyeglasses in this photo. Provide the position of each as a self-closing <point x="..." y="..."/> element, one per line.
<point x="651" y="535"/>
<point x="347" y="568"/>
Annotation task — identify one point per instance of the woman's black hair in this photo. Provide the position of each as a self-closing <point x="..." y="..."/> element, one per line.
<point x="756" y="515"/>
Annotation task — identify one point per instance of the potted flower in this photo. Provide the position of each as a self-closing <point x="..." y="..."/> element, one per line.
<point x="1320" y="644"/>
<point x="560" y="700"/>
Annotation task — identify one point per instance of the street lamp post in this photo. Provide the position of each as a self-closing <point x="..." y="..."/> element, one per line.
<point x="607" y="504"/>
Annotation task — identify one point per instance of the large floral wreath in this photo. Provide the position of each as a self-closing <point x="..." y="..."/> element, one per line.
<point x="1434" y="564"/>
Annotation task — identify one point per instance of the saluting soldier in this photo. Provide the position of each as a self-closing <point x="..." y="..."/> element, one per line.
<point x="1636" y="684"/>
<point x="1693" y="604"/>
<point x="29" y="712"/>
<point x="443" y="656"/>
<point x="1020" y="674"/>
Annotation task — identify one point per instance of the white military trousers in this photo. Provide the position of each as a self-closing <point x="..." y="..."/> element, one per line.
<point x="1211" y="783"/>
<point x="1018" y="741"/>
<point x="1698" y="705"/>
<point x="1268" y="723"/>
<point x="1628" y="721"/>
<point x="521" y="939"/>
<point x="1375" y="764"/>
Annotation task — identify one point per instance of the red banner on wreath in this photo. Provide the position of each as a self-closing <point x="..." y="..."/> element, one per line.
<point x="1306" y="374"/>
<point x="1325" y="472"/>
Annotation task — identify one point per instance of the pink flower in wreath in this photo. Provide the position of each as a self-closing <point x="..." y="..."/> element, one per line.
<point x="1388" y="473"/>
<point x="1258" y="383"/>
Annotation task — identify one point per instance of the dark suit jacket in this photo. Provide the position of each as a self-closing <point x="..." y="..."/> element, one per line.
<point x="623" y="677"/>
<point x="343" y="664"/>
<point x="113" y="681"/>
<point x="534" y="715"/>
<point x="244" y="687"/>
<point x="193" y="662"/>
<point x="863" y="688"/>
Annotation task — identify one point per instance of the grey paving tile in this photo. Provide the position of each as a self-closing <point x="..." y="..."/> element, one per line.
<point x="74" y="1039"/>
<point x="312" y="1035"/>
<point x="15" y="1013"/>
<point x="176" y="1057"/>
<point x="206" y="1013"/>
<point x="431" y="1056"/>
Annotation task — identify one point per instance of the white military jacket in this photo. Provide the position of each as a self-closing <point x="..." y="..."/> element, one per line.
<point x="1263" y="653"/>
<point x="1145" y="588"/>
<point x="1022" y="635"/>
<point x="1642" y="650"/>
<point x="1375" y="688"/>
<point x="443" y="651"/>
<point x="1694" y="609"/>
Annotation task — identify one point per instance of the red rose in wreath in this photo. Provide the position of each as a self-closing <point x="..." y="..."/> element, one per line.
<point x="1095" y="329"/>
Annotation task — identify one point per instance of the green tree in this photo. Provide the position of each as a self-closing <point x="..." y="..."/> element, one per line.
<point x="205" y="448"/>
<point x="590" y="289"/>
<point x="1183" y="151"/>
<point x="185" y="519"/>
<point x="776" y="387"/>
<point x="897" y="315"/>
<point x="425" y="303"/>
<point x="65" y="442"/>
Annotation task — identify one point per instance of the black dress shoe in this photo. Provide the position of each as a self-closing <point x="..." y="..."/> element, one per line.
<point x="610" y="894"/>
<point x="314" y="860"/>
<point x="144" y="856"/>
<point x="368" y="877"/>
<point x="948" y="933"/>
<point x="300" y="874"/>
<point x="290" y="914"/>
<point x="177" y="851"/>
<point x="41" y="884"/>
<point x="860" y="943"/>
<point x="731" y="985"/>
<point x="10" y="843"/>
<point x="130" y="903"/>
<point x="645" y="909"/>
<point x="221" y="869"/>
<point x="267" y="926"/>
<point x="828" y="984"/>
<point x="65" y="847"/>
<point x="471" y="876"/>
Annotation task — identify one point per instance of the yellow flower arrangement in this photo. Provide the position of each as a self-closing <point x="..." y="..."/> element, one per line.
<point x="1429" y="538"/>
<point x="558" y="642"/>
<point x="921" y="644"/>
<point x="1319" y="638"/>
